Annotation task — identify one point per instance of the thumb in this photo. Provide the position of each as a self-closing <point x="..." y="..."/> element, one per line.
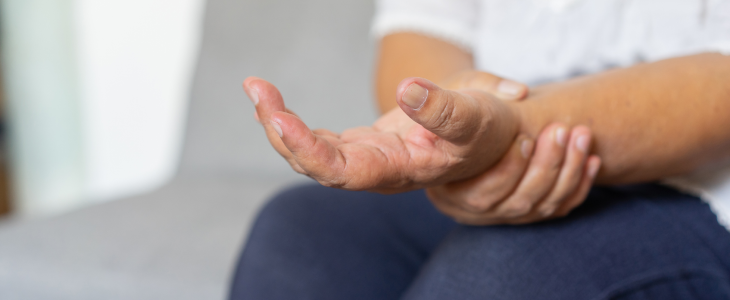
<point x="451" y="115"/>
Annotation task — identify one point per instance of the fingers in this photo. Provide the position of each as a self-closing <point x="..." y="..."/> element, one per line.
<point x="351" y="166"/>
<point x="314" y="154"/>
<point x="267" y="100"/>
<point x="364" y="163"/>
<point x="579" y="195"/>
<point x="482" y="193"/>
<point x="257" y="90"/>
<point x="571" y="171"/>
<point x="453" y="116"/>
<point x="567" y="173"/>
<point x="510" y="90"/>
<point x="503" y="89"/>
<point x="541" y="175"/>
<point x="450" y="209"/>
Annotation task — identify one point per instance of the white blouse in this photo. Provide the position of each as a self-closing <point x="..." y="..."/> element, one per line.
<point x="538" y="41"/>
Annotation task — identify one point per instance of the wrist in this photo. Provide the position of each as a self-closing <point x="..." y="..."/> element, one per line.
<point x="526" y="114"/>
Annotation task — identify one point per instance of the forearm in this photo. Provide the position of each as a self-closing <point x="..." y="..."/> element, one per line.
<point x="403" y="55"/>
<point x="649" y="121"/>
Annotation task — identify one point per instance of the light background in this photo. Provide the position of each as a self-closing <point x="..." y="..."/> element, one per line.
<point x="97" y="94"/>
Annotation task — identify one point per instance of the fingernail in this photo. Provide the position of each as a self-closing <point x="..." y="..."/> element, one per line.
<point x="526" y="148"/>
<point x="509" y="87"/>
<point x="277" y="128"/>
<point x="253" y="95"/>
<point x="561" y="136"/>
<point x="593" y="168"/>
<point x="415" y="96"/>
<point x="582" y="143"/>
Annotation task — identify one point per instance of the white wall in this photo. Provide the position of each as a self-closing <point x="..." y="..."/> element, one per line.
<point x="137" y="61"/>
<point x="96" y="93"/>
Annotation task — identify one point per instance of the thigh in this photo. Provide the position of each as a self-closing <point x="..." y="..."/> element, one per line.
<point x="642" y="242"/>
<point x="313" y="242"/>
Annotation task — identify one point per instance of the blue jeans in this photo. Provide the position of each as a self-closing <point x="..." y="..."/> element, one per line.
<point x="638" y="242"/>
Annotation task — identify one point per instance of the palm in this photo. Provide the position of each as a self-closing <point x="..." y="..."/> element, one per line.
<point x="396" y="153"/>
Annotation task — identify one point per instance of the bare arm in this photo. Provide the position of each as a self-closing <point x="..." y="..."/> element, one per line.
<point x="404" y="55"/>
<point x="649" y="121"/>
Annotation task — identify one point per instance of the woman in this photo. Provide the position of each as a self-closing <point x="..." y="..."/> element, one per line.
<point x="638" y="88"/>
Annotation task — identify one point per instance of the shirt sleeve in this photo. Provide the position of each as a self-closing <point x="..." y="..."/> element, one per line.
<point x="718" y="25"/>
<point x="453" y="21"/>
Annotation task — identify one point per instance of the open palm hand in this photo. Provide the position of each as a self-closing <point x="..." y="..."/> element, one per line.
<point x="436" y="136"/>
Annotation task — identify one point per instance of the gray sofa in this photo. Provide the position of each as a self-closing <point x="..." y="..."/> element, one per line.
<point x="181" y="241"/>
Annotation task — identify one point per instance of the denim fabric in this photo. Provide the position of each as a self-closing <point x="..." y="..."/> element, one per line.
<point x="638" y="242"/>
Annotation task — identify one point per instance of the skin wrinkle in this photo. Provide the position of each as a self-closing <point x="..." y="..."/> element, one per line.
<point x="314" y="145"/>
<point x="436" y="142"/>
<point x="470" y="139"/>
<point x="452" y="160"/>
<point x="441" y="121"/>
<point x="371" y="174"/>
<point x="471" y="133"/>
<point x="409" y="160"/>
<point x="340" y="177"/>
<point x="389" y="160"/>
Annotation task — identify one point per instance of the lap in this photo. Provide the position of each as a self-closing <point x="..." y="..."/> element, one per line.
<point x="332" y="244"/>
<point x="627" y="243"/>
<point x="313" y="242"/>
